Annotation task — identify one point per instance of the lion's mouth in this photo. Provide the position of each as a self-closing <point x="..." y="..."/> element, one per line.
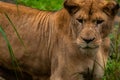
<point x="88" y="46"/>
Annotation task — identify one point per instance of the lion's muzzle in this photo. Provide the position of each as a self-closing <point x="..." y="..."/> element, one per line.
<point x="88" y="43"/>
<point x="88" y="39"/>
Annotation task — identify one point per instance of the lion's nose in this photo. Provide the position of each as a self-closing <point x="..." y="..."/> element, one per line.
<point x="88" y="40"/>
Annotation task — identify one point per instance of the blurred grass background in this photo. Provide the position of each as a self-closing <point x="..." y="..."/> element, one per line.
<point x="43" y="4"/>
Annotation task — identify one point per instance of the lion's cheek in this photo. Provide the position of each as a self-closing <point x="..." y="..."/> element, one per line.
<point x="105" y="30"/>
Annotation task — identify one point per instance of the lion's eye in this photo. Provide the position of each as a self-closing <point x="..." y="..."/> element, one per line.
<point x="99" y="21"/>
<point x="80" y="20"/>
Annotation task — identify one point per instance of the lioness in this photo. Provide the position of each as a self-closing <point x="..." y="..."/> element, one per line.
<point x="69" y="44"/>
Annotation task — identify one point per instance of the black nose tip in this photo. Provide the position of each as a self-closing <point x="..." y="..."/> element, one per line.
<point x="88" y="40"/>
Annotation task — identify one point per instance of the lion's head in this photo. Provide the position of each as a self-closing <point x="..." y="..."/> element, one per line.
<point x="91" y="21"/>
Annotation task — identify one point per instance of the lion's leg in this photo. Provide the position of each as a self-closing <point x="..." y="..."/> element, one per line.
<point x="57" y="74"/>
<point x="101" y="60"/>
<point x="41" y="78"/>
<point x="61" y="71"/>
<point x="57" y="70"/>
<point x="60" y="75"/>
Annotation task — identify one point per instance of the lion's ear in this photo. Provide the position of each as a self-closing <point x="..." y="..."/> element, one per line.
<point x="71" y="7"/>
<point x="111" y="8"/>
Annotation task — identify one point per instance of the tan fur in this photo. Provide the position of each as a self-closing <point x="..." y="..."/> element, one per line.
<point x="69" y="44"/>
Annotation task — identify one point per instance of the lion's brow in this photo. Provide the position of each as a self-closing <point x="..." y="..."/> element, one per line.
<point x="90" y="9"/>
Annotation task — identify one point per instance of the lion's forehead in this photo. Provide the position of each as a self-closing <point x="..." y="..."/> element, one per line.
<point x="89" y="2"/>
<point x="91" y="8"/>
<point x="84" y="14"/>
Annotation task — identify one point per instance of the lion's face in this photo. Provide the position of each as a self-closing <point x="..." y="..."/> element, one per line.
<point x="92" y="21"/>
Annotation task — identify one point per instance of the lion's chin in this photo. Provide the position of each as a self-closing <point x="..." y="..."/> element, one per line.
<point x="89" y="50"/>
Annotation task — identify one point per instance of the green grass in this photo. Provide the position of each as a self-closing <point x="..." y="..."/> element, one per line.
<point x="112" y="71"/>
<point x="43" y="4"/>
